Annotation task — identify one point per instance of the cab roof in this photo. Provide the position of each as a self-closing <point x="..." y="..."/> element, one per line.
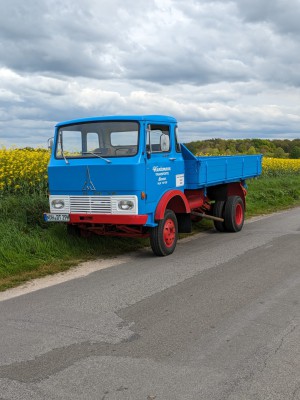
<point x="154" y="118"/>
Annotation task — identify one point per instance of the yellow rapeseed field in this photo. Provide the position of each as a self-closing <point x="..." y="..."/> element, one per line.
<point x="280" y="166"/>
<point x="24" y="171"/>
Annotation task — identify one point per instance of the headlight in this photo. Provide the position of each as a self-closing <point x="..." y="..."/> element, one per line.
<point x="125" y="205"/>
<point x="57" y="204"/>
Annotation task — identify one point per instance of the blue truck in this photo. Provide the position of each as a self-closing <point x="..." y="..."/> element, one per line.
<point x="130" y="176"/>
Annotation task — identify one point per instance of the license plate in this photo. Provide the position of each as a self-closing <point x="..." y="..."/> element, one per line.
<point x="57" y="217"/>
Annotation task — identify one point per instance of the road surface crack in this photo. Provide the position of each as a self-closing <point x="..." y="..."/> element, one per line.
<point x="279" y="346"/>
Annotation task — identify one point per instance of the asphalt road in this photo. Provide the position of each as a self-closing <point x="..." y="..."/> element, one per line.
<point x="218" y="319"/>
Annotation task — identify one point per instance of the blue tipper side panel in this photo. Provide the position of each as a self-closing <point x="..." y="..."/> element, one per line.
<point x="209" y="171"/>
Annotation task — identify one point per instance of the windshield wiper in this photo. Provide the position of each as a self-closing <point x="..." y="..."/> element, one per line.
<point x="61" y="148"/>
<point x="97" y="154"/>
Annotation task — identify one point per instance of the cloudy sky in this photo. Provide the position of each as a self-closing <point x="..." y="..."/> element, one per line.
<point x="227" y="68"/>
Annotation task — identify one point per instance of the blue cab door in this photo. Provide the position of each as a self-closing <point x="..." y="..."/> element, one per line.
<point x="164" y="163"/>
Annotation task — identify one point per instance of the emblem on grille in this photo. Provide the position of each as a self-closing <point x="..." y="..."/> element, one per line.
<point x="88" y="184"/>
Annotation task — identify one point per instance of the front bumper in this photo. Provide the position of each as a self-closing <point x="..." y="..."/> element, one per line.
<point x="108" y="219"/>
<point x="97" y="219"/>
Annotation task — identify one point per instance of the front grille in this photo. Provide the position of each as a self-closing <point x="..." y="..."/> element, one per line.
<point x="90" y="204"/>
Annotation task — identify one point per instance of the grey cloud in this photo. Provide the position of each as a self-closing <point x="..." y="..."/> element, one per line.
<point x="282" y="15"/>
<point x="107" y="42"/>
<point x="195" y="42"/>
<point x="21" y="20"/>
<point x="182" y="66"/>
<point x="225" y="67"/>
<point x="61" y="38"/>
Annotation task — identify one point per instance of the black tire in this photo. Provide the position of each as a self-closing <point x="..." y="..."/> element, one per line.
<point x="73" y="230"/>
<point x="218" y="211"/>
<point x="234" y="214"/>
<point x="163" y="238"/>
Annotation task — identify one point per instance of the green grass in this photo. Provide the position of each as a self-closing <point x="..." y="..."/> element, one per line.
<point x="30" y="248"/>
<point x="270" y="194"/>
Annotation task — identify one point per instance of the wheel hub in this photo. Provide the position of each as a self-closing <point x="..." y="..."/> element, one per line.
<point x="169" y="232"/>
<point x="238" y="214"/>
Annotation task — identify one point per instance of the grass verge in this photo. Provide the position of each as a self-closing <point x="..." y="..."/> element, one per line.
<point x="271" y="194"/>
<point x="29" y="248"/>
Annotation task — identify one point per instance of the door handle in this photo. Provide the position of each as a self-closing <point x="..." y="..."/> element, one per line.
<point x="172" y="159"/>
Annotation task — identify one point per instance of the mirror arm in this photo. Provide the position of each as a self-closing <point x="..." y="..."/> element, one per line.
<point x="50" y="143"/>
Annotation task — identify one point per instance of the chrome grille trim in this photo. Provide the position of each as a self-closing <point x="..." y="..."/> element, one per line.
<point x="90" y="204"/>
<point x="93" y="204"/>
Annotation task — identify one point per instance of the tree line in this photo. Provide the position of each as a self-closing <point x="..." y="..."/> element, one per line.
<point x="278" y="148"/>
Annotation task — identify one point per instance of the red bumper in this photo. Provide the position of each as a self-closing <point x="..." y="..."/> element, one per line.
<point x="108" y="219"/>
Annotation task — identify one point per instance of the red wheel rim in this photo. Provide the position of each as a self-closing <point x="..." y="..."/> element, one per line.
<point x="169" y="233"/>
<point x="239" y="214"/>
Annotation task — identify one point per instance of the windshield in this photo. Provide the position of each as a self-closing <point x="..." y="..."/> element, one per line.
<point x="98" y="139"/>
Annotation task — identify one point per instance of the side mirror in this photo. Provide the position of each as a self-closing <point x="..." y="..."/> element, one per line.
<point x="50" y="143"/>
<point x="165" y="142"/>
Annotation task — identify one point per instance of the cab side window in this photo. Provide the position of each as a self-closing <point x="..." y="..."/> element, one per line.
<point x="158" y="138"/>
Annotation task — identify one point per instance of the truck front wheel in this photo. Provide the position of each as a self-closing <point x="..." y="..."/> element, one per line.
<point x="73" y="230"/>
<point x="163" y="238"/>
<point x="234" y="214"/>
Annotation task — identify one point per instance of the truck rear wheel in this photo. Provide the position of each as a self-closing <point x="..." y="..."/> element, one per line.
<point x="163" y="238"/>
<point x="218" y="211"/>
<point x="234" y="214"/>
